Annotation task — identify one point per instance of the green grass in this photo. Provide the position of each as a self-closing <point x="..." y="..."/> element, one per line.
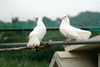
<point x="18" y="63"/>
<point x="29" y="58"/>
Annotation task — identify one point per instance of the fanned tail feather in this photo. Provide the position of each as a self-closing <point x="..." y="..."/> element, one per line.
<point x="85" y="35"/>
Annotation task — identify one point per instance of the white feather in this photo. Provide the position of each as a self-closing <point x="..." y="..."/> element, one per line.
<point x="37" y="34"/>
<point x="71" y="32"/>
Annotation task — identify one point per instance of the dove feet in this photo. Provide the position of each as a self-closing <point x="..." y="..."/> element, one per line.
<point x="68" y="40"/>
<point x="42" y="48"/>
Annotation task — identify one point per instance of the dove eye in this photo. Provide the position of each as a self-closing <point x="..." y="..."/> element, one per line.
<point x="64" y="16"/>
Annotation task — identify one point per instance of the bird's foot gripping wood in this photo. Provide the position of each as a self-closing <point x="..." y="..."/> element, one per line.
<point x="42" y="47"/>
<point x="37" y="48"/>
<point x="68" y="40"/>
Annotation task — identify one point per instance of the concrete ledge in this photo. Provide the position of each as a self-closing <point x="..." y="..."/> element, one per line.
<point x="71" y="59"/>
<point x="78" y="56"/>
<point x="84" y="47"/>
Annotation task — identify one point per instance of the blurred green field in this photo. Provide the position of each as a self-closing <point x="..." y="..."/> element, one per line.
<point x="18" y="63"/>
<point x="28" y="58"/>
<point x="31" y="58"/>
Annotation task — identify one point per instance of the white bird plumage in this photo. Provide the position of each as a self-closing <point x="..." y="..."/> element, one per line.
<point x="71" y="32"/>
<point x="36" y="36"/>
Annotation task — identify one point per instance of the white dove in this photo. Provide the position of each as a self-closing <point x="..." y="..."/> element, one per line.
<point x="71" y="32"/>
<point x="37" y="34"/>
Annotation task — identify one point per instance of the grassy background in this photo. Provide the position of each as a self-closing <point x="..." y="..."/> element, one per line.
<point x="30" y="58"/>
<point x="18" y="63"/>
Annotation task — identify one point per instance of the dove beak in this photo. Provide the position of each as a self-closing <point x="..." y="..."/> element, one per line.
<point x="34" y="20"/>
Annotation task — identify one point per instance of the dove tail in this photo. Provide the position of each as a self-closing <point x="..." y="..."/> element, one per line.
<point x="84" y="35"/>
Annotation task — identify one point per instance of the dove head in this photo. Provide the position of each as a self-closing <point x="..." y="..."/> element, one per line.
<point x="65" y="19"/>
<point x="40" y="22"/>
<point x="40" y="18"/>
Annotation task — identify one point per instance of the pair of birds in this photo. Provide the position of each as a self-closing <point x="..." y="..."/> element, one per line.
<point x="70" y="32"/>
